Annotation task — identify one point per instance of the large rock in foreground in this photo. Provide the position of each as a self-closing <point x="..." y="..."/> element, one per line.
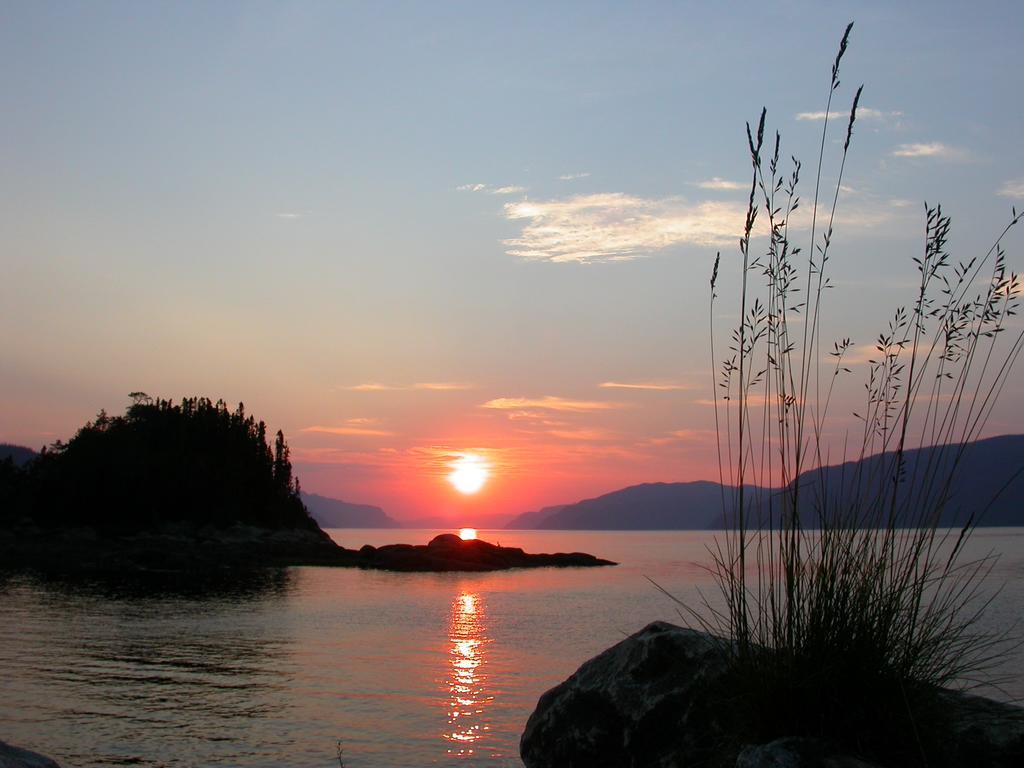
<point x="643" y="702"/>
<point x="655" y="700"/>
<point x="15" y="757"/>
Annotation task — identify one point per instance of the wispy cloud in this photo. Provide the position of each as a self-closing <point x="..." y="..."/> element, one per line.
<point x="1013" y="188"/>
<point x="572" y="176"/>
<point x="580" y="434"/>
<point x="289" y="215"/>
<point x="549" y="403"/>
<point x="617" y="227"/>
<point x="684" y="436"/>
<point x="443" y="386"/>
<point x="655" y="386"/>
<point x="435" y="386"/>
<point x="508" y="189"/>
<point x="349" y="431"/>
<point x="372" y="387"/>
<point x="929" y="149"/>
<point x="721" y="184"/>
<point x="863" y="113"/>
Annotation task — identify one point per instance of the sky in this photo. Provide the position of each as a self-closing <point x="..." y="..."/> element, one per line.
<point x="405" y="233"/>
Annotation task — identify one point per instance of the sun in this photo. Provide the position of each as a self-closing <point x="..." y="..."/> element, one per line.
<point x="467" y="534"/>
<point x="469" y="473"/>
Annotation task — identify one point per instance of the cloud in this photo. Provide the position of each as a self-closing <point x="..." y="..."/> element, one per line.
<point x="349" y="431"/>
<point x="656" y="386"/>
<point x="572" y="176"/>
<point x="1013" y="188"/>
<point x="549" y="403"/>
<point x="289" y="215"/>
<point x="580" y="434"/>
<point x="510" y="189"/>
<point x="443" y="386"/>
<point x="434" y="386"/>
<point x="929" y="149"/>
<point x="373" y="387"/>
<point x="617" y="227"/>
<point x="722" y="184"/>
<point x="863" y="113"/>
<point x="699" y="436"/>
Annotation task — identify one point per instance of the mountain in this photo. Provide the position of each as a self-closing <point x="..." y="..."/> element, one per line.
<point x="335" y="513"/>
<point x="19" y="454"/>
<point x="651" y="506"/>
<point x="989" y="479"/>
<point x="528" y="520"/>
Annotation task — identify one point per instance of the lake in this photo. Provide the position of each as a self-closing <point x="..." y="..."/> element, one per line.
<point x="280" y="668"/>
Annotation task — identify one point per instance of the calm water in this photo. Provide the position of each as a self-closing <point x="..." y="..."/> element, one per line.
<point x="401" y="669"/>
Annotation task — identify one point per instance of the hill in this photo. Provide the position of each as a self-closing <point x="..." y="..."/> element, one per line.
<point x="335" y="513"/>
<point x="989" y="478"/>
<point x="161" y="463"/>
<point x="18" y="454"/>
<point x="695" y="506"/>
<point x="528" y="520"/>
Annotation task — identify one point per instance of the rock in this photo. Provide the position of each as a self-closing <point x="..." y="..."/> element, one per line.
<point x="984" y="731"/>
<point x="796" y="753"/>
<point x="643" y="702"/>
<point x="444" y="541"/>
<point x="659" y="699"/>
<point x="15" y="757"/>
<point x="249" y="547"/>
<point x="447" y="552"/>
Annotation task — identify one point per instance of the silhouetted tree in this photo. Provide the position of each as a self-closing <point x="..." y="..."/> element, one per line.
<point x="197" y="462"/>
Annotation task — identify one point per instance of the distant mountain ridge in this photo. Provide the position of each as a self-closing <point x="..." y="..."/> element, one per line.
<point x="990" y="469"/>
<point x="335" y="513"/>
<point x="19" y="454"/>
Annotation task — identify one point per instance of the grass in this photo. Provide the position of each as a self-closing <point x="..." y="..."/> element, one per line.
<point x="846" y="604"/>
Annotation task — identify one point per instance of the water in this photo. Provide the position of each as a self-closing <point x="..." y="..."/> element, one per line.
<point x="400" y="669"/>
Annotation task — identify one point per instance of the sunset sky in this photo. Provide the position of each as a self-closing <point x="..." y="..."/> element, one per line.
<point x="409" y="232"/>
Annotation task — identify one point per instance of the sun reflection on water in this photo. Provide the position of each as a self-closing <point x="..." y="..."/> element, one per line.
<point x="466" y="680"/>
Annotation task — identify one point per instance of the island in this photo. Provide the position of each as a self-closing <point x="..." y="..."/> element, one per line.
<point x="193" y="486"/>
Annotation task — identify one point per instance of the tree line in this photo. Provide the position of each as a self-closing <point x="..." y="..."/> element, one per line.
<point x="195" y="461"/>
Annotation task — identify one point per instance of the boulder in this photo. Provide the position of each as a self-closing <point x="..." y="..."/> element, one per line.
<point x="643" y="702"/>
<point x="984" y="731"/>
<point x="659" y="699"/>
<point x="796" y="753"/>
<point x="444" y="541"/>
<point x="15" y="757"/>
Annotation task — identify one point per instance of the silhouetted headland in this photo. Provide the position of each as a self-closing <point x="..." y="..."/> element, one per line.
<point x="195" y="485"/>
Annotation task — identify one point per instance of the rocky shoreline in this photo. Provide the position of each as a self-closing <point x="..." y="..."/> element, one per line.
<point x="187" y="548"/>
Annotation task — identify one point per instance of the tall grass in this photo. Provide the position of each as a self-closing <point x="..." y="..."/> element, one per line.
<point x="845" y="601"/>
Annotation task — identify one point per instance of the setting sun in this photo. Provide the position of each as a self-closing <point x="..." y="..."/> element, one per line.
<point x="466" y="534"/>
<point x="469" y="473"/>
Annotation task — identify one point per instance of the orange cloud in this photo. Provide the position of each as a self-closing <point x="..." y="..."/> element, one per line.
<point x="654" y="386"/>
<point x="550" y="403"/>
<point x="435" y="386"/>
<point x="349" y="431"/>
